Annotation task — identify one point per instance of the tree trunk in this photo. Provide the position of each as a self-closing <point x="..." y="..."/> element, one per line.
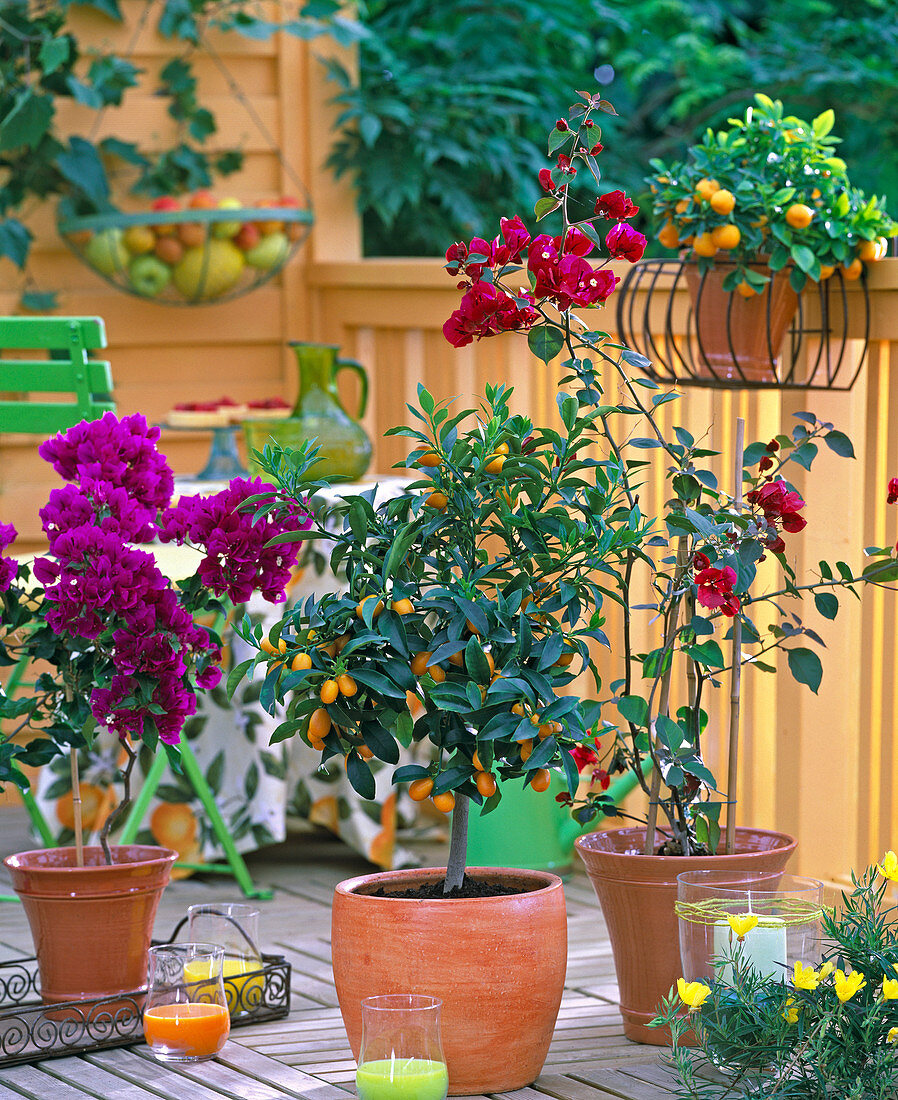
<point x="458" y="845"/>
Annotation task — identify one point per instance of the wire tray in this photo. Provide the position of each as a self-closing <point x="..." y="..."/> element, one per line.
<point x="31" y="1030"/>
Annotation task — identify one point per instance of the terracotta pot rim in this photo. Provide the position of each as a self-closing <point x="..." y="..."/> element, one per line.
<point x="583" y="845"/>
<point x="357" y="886"/>
<point x="31" y="861"/>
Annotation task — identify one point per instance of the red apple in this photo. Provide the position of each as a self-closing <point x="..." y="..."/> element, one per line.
<point x="248" y="237"/>
<point x="202" y="200"/>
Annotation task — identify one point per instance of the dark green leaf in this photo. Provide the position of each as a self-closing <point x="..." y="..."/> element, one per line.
<point x="805" y="666"/>
<point x="840" y="443"/>
<point x="360" y="777"/>
<point x="827" y="604"/>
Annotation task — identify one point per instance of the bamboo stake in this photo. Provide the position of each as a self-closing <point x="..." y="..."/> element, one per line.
<point x="736" y="676"/>
<point x="76" y="807"/>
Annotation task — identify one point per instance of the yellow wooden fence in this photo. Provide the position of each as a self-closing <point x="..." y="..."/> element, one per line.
<point x="821" y="766"/>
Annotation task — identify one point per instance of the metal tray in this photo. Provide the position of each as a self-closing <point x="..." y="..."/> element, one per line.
<point x="31" y="1031"/>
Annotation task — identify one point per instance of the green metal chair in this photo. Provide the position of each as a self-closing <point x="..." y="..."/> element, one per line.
<point x="74" y="386"/>
<point x="81" y="386"/>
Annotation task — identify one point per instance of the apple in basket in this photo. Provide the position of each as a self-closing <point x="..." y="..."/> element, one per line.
<point x="106" y="252"/>
<point x="210" y="271"/>
<point x="269" y="252"/>
<point x="149" y="275"/>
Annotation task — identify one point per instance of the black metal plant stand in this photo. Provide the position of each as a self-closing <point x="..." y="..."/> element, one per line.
<point x="657" y="317"/>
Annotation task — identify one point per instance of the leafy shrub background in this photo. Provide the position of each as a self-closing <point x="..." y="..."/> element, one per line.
<point x="443" y="132"/>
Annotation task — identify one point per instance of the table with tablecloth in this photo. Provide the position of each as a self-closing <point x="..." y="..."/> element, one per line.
<point x="258" y="787"/>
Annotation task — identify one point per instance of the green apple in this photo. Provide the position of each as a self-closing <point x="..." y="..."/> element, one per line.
<point x="269" y="252"/>
<point x="208" y="272"/>
<point x="149" y="275"/>
<point x="106" y="252"/>
<point x="223" y="230"/>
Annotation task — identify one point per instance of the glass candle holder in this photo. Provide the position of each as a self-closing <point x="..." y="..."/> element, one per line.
<point x="185" y="1016"/>
<point x="233" y="926"/>
<point x="764" y="922"/>
<point x="401" y="1056"/>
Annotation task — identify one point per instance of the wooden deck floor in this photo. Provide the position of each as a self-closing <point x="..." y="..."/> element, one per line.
<point x="589" y="1058"/>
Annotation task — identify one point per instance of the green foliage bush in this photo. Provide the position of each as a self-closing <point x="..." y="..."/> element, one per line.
<point x="444" y="131"/>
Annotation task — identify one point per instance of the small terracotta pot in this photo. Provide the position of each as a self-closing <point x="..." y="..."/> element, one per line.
<point x="739" y="338"/>
<point x="638" y="893"/>
<point x="91" y="925"/>
<point x="498" y="964"/>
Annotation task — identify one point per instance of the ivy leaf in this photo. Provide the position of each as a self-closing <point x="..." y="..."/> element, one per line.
<point x="81" y="166"/>
<point x="53" y="54"/>
<point x="28" y="120"/>
<point x="805" y="666"/>
<point x="15" y="241"/>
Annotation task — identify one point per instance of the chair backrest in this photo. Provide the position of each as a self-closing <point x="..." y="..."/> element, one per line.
<point x="80" y="387"/>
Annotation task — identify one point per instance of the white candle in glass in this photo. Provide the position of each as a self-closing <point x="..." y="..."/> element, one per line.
<point x="763" y="948"/>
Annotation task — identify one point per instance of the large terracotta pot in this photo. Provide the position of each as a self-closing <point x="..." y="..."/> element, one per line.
<point x="497" y="963"/>
<point x="637" y="894"/>
<point x="91" y="925"/>
<point x="739" y="338"/>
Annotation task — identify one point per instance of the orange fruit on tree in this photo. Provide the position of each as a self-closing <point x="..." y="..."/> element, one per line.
<point x="475" y="760"/>
<point x="444" y="802"/>
<point x="429" y="460"/>
<point x="418" y="663"/>
<point x="526" y="749"/>
<point x="501" y="449"/>
<point x="726" y="237"/>
<point x="364" y="752"/>
<point x="682" y="206"/>
<point x="402" y="607"/>
<point x="436" y="674"/>
<point x="746" y="290"/>
<point x="868" y="251"/>
<point x="668" y="235"/>
<point x="799" y="216"/>
<point x="419" y="789"/>
<point x="853" y="270"/>
<point x="705" y="188"/>
<point x="319" y="724"/>
<point x="346" y="685"/>
<point x="458" y="659"/>
<point x="494" y="466"/>
<point x="301" y="661"/>
<point x="722" y="201"/>
<point x="437" y="500"/>
<point x="360" y="606"/>
<point x="541" y="779"/>
<point x="826" y="270"/>
<point x="703" y="245"/>
<point x="518" y="709"/>
<point x="268" y="647"/>
<point x="486" y="783"/>
<point x="329" y="691"/>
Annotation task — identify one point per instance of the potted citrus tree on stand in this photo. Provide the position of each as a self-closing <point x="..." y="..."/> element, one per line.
<point x="759" y="211"/>
<point x="115" y="646"/>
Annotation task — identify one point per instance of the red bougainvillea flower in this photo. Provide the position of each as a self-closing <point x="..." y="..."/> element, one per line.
<point x="893" y="491"/>
<point x="779" y="503"/>
<point x="545" y="179"/>
<point x="486" y="310"/>
<point x="507" y="249"/>
<point x="601" y="777"/>
<point x="615" y="206"/>
<point x="564" y="165"/>
<point x="625" y="243"/>
<point x="583" y="756"/>
<point x="700" y="561"/>
<point x="715" y="590"/>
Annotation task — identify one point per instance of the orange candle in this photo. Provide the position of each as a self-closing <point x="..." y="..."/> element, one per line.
<point x="186" y="1030"/>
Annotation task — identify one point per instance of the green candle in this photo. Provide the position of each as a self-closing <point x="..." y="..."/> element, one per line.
<point x="402" y="1079"/>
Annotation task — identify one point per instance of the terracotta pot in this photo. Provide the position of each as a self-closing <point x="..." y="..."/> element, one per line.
<point x="739" y="338"/>
<point x="637" y="894"/>
<point x="91" y="925"/>
<point x="498" y="964"/>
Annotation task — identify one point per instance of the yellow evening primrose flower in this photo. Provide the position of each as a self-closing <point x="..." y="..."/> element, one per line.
<point x="792" y="1011"/>
<point x="848" y="984"/>
<point x="890" y="989"/>
<point x="892" y="1036"/>
<point x="824" y="972"/>
<point x="889" y="867"/>
<point x="805" y="977"/>
<point x="742" y="923"/>
<point x="692" y="993"/>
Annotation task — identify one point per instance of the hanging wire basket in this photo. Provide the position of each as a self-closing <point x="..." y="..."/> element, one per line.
<point x="188" y="257"/>
<point x="691" y="333"/>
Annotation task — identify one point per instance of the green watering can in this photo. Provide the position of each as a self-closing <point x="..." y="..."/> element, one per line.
<point x="530" y="829"/>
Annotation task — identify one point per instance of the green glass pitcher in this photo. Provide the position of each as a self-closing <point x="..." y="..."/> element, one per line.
<point x="345" y="449"/>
